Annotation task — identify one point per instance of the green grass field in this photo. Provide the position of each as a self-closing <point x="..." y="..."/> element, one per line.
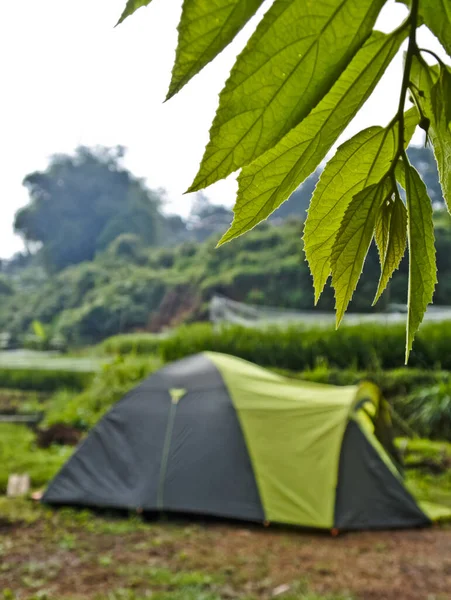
<point x="79" y="555"/>
<point x="29" y="359"/>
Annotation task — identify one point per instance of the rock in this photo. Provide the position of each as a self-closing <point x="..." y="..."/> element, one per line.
<point x="280" y="589"/>
<point x="18" y="485"/>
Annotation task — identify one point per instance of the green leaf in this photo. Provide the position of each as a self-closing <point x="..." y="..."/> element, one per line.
<point x="291" y="61"/>
<point x="436" y="15"/>
<point x="422" y="266"/>
<point x="358" y="163"/>
<point x="429" y="92"/>
<point x="131" y="7"/>
<point x="391" y="239"/>
<point x="441" y="96"/>
<point x="382" y="229"/>
<point x="205" y="29"/>
<point x="268" y="181"/>
<point x="38" y="330"/>
<point x="353" y="241"/>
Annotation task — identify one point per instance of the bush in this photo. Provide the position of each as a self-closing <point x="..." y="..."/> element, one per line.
<point x="45" y="380"/>
<point x="20" y="455"/>
<point x="359" y="347"/>
<point x="109" y="385"/>
<point x="132" y="343"/>
<point x="428" y="410"/>
<point x="393" y="383"/>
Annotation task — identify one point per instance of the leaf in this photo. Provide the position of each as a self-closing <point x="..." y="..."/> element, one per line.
<point x="268" y="181"/>
<point x="382" y="229"/>
<point x="131" y="7"/>
<point x="38" y="330"/>
<point x="353" y="241"/>
<point x="391" y="239"/>
<point x="441" y="95"/>
<point x="422" y="266"/>
<point x="358" y="163"/>
<point x="435" y="106"/>
<point x="205" y="29"/>
<point x="436" y="15"/>
<point x="286" y="68"/>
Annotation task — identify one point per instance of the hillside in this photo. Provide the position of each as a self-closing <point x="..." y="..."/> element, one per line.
<point x="132" y="287"/>
<point x="104" y="257"/>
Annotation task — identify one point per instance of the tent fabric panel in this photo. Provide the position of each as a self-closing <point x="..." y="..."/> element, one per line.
<point x="372" y="413"/>
<point x="293" y="433"/>
<point x="209" y="470"/>
<point x="192" y="373"/>
<point x="369" y="495"/>
<point x="118" y="463"/>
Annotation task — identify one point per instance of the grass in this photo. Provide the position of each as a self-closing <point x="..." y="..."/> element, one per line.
<point x="132" y="343"/>
<point x="18" y="454"/>
<point x="20" y="401"/>
<point x="114" y="557"/>
<point x="43" y="371"/>
<point x="108" y="386"/>
<point x="366" y="346"/>
<point x="183" y="593"/>
<point x="28" y="359"/>
<point x="425" y="486"/>
<point x="129" y="559"/>
<point x="75" y="555"/>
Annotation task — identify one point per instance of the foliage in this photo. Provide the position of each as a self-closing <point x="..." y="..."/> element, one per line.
<point x="133" y="343"/>
<point x="19" y="455"/>
<point x="296" y="348"/>
<point x="133" y="288"/>
<point x="423" y="485"/>
<point x="43" y="379"/>
<point x="428" y="410"/>
<point x="6" y="286"/>
<point x="304" y="74"/>
<point x="81" y="203"/>
<point x="109" y="385"/>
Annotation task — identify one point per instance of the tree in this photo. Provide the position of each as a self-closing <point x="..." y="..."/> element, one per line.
<point x="304" y="74"/>
<point x="81" y="203"/>
<point x="422" y="158"/>
<point x="206" y="218"/>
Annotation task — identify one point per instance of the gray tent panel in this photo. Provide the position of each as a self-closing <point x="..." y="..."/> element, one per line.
<point x="208" y="469"/>
<point x="118" y="463"/>
<point x="369" y="495"/>
<point x="155" y="453"/>
<point x="192" y="373"/>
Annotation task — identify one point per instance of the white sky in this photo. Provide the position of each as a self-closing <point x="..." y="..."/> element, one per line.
<point x="68" y="77"/>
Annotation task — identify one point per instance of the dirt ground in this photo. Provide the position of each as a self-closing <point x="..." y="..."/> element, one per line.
<point x="78" y="555"/>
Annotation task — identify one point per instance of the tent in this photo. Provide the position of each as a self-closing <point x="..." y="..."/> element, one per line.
<point x="215" y="435"/>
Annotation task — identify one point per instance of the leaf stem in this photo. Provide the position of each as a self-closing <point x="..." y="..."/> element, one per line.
<point x="437" y="58"/>
<point x="412" y="49"/>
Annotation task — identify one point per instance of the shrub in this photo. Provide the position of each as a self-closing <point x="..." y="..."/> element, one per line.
<point x="132" y="343"/>
<point x="45" y="380"/>
<point x="19" y="454"/>
<point x="109" y="385"/>
<point x="360" y="347"/>
<point x="428" y="410"/>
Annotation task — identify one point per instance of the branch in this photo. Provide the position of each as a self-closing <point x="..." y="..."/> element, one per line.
<point x="412" y="49"/>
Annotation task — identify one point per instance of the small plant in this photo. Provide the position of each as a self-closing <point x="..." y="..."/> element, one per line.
<point x="110" y="384"/>
<point x="430" y="410"/>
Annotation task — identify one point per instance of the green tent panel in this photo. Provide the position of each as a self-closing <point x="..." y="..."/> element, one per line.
<point x="215" y="435"/>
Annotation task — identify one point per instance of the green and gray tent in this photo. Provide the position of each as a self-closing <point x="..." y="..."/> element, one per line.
<point x="215" y="435"/>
